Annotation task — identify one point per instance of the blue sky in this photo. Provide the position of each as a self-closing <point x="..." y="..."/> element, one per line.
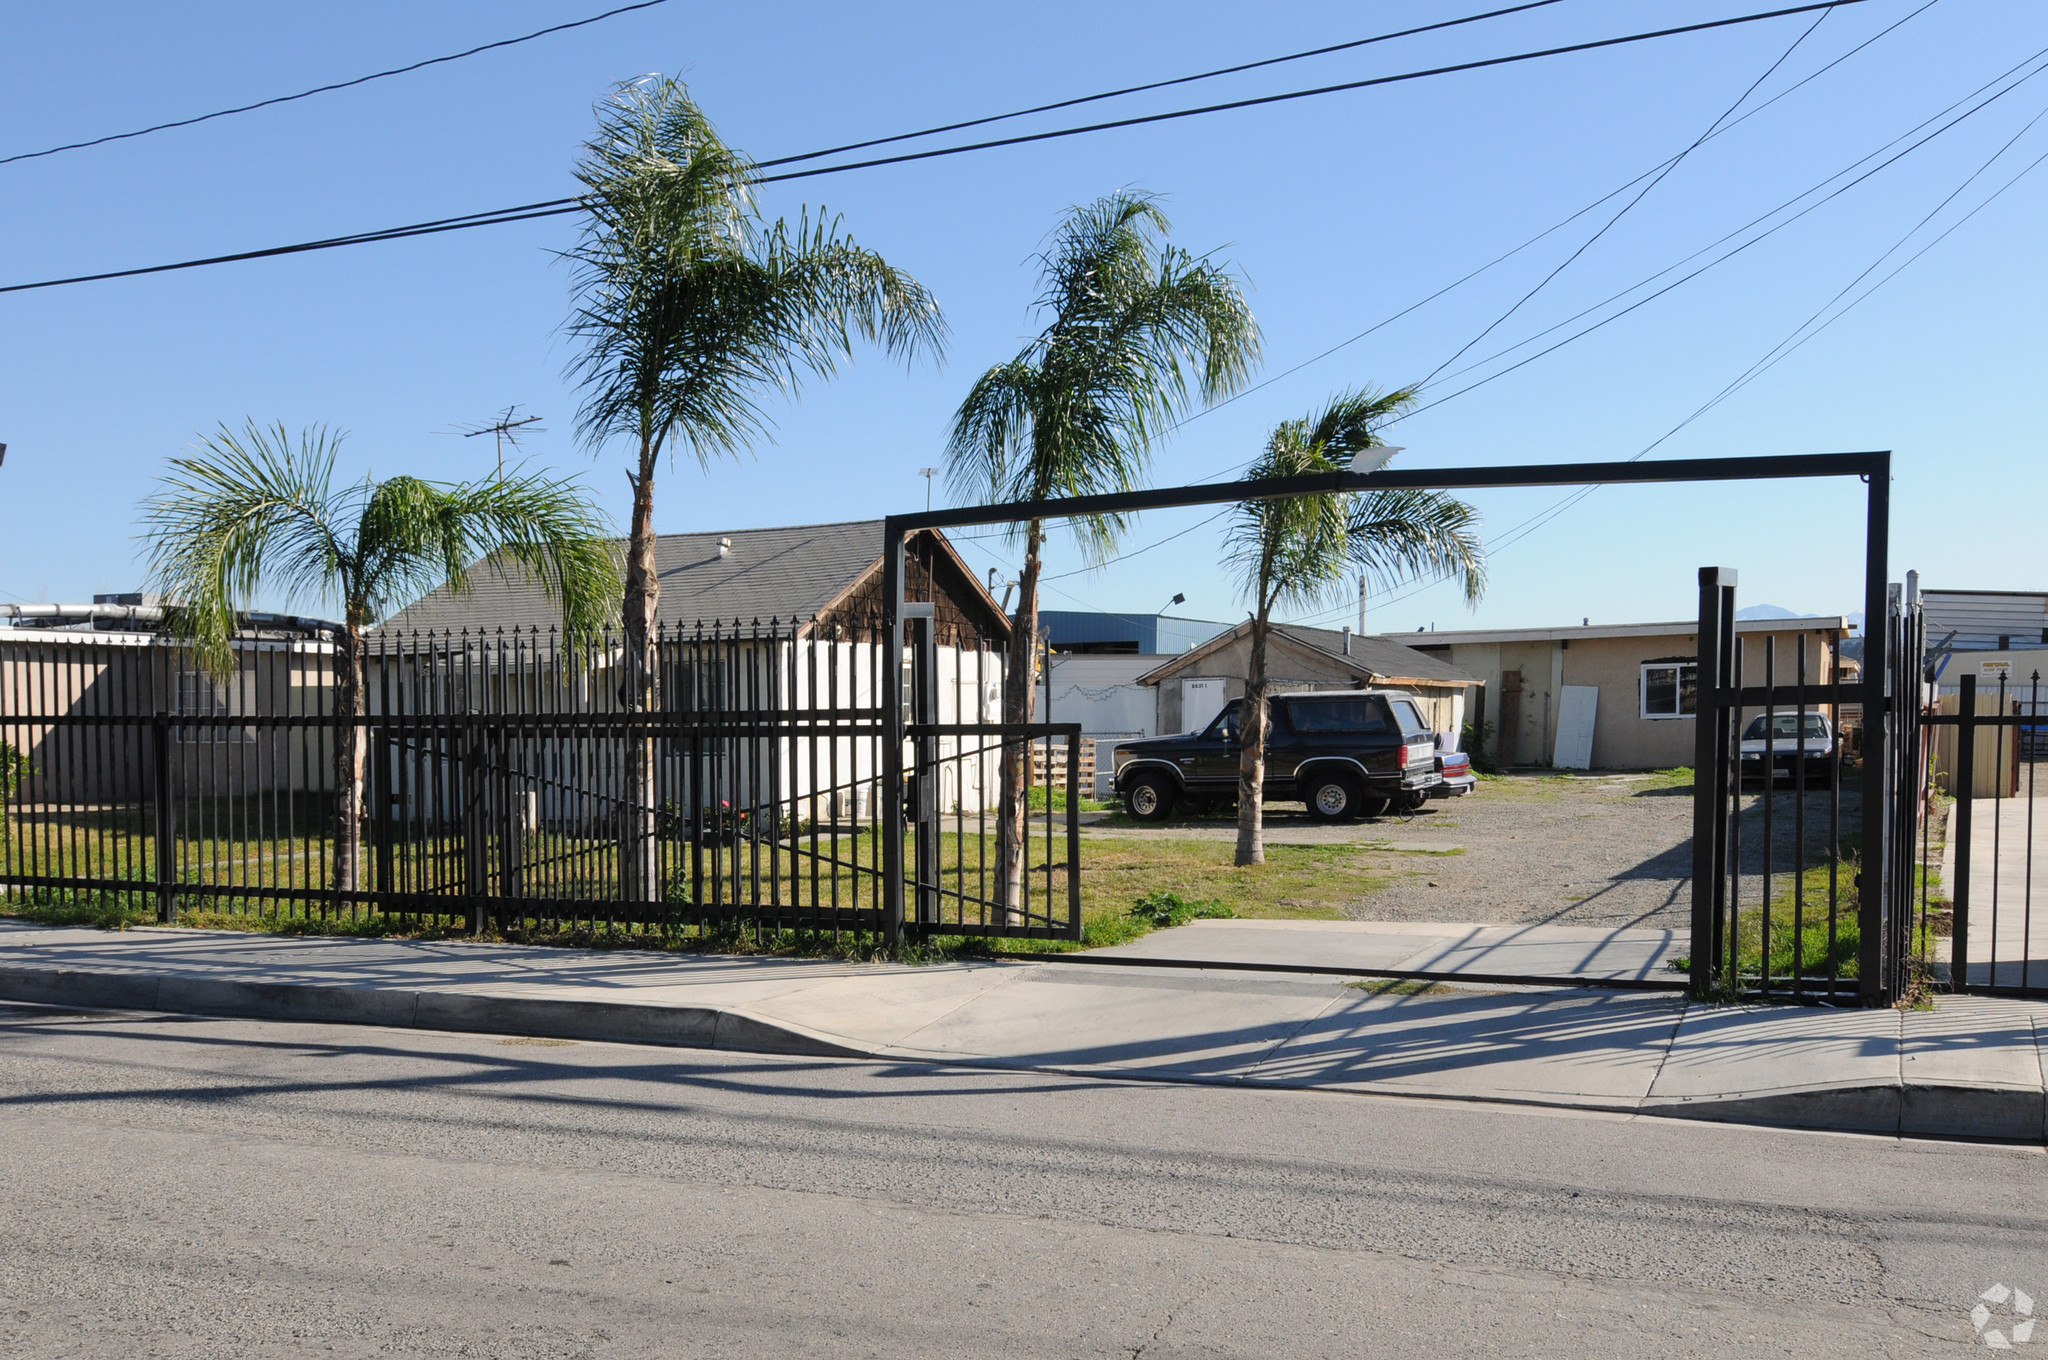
<point x="1340" y="210"/>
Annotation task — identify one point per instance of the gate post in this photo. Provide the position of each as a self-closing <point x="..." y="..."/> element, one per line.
<point x="166" y="825"/>
<point x="1965" y="786"/>
<point x="1872" y="879"/>
<point x="1709" y="773"/>
<point x="892" y="731"/>
<point x="920" y="621"/>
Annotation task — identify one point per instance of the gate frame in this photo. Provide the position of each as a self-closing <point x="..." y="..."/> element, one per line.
<point x="1873" y="468"/>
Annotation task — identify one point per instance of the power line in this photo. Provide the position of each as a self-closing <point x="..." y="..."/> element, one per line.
<point x="1793" y="341"/>
<point x="1726" y="256"/>
<point x="1623" y="211"/>
<point x="328" y="89"/>
<point x="1655" y="170"/>
<point x="1257" y="101"/>
<point x="1547" y="231"/>
<point x="1139" y="552"/>
<point x="1159" y="84"/>
<point x="557" y="207"/>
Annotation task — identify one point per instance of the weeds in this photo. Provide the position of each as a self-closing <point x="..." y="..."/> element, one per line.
<point x="1039" y="798"/>
<point x="1163" y="908"/>
<point x="100" y="910"/>
<point x="1405" y="987"/>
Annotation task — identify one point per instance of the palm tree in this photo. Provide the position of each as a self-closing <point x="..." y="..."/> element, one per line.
<point x="1137" y="330"/>
<point x="254" y="509"/>
<point x="1298" y="552"/>
<point x="689" y="309"/>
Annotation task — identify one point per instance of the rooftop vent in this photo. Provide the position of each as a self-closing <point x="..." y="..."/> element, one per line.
<point x="725" y="547"/>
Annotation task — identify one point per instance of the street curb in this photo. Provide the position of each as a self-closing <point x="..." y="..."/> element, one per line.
<point x="1990" y="1113"/>
<point x="2002" y="1114"/>
<point x="465" y="1012"/>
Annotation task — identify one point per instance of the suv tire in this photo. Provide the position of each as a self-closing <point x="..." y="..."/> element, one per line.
<point x="1151" y="798"/>
<point x="1334" y="797"/>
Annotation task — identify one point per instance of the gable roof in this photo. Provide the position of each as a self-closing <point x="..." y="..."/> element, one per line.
<point x="1378" y="660"/>
<point x="789" y="572"/>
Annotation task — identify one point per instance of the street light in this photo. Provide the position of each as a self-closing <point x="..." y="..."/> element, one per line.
<point x="1178" y="598"/>
<point x="1375" y="458"/>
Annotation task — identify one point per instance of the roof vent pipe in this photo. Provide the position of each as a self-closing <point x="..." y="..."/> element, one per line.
<point x="1347" y="640"/>
<point x="724" y="547"/>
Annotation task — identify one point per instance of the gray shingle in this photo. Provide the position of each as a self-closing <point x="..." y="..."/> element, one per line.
<point x="1381" y="654"/>
<point x="788" y="572"/>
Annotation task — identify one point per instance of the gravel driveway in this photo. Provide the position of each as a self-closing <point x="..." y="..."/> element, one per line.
<point x="1585" y="850"/>
<point x="1556" y="850"/>
<point x="1611" y="850"/>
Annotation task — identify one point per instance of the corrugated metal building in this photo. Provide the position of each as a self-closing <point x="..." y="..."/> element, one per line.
<point x="1987" y="620"/>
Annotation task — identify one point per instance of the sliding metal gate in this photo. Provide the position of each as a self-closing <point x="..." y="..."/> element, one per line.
<point x="507" y="782"/>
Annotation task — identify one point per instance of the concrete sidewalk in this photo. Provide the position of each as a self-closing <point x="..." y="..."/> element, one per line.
<point x="1465" y="951"/>
<point x="1972" y="1067"/>
<point x="2008" y="888"/>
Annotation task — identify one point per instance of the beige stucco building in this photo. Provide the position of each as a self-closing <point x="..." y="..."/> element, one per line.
<point x="1642" y="676"/>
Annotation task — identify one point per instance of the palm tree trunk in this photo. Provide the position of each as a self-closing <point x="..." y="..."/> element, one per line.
<point x="348" y="756"/>
<point x="1251" y="757"/>
<point x="639" y="865"/>
<point x="1019" y="693"/>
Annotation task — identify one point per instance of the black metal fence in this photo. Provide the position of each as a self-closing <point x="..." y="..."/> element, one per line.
<point x="1978" y="791"/>
<point x="510" y="780"/>
<point x="1847" y="850"/>
<point x="1787" y="899"/>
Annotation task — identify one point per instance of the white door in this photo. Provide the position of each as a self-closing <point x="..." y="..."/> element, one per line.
<point x="1200" y="702"/>
<point x="1575" y="712"/>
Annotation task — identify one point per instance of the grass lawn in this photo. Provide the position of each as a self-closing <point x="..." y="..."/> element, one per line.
<point x="1297" y="881"/>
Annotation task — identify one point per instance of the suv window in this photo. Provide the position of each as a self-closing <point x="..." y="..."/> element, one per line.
<point x="1412" y="724"/>
<point x="1360" y="715"/>
<point x="1224" y="726"/>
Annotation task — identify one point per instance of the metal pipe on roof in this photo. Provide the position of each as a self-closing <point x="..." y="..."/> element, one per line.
<point x="57" y="615"/>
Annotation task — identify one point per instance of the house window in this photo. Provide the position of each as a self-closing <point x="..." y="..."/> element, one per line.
<point x="1670" y="689"/>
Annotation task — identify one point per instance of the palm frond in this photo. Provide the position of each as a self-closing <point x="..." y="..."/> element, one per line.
<point x="1290" y="552"/>
<point x="1400" y="536"/>
<point x="689" y="312"/>
<point x="1350" y="423"/>
<point x="242" y="508"/>
<point x="417" y="535"/>
<point x="1297" y="553"/>
<point x="1137" y="332"/>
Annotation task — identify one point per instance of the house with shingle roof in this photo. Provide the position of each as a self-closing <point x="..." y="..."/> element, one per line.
<point x="786" y="619"/>
<point x="809" y="576"/>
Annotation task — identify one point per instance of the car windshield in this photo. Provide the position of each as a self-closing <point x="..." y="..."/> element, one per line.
<point x="1786" y="726"/>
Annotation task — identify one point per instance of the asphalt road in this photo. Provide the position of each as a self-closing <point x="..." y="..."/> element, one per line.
<point x="180" y="1186"/>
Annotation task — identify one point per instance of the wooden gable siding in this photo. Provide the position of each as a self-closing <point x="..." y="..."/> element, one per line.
<point x="932" y="575"/>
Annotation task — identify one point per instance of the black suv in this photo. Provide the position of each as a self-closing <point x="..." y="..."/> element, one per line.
<point x="1350" y="753"/>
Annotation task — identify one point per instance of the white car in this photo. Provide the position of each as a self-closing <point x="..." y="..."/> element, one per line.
<point x="1783" y="746"/>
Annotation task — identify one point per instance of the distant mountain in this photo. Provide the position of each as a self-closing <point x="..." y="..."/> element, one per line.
<point x="1778" y="611"/>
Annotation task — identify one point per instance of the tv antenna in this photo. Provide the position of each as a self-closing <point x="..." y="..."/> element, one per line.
<point x="507" y="429"/>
